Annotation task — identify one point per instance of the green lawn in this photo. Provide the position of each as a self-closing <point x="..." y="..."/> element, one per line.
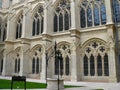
<point x="6" y="84"/>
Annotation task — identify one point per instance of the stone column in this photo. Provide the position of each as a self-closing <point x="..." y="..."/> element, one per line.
<point x="27" y="22"/>
<point x="74" y="66"/>
<point x="24" y="57"/>
<point x="113" y="62"/>
<point x="74" y="14"/>
<point x="75" y="55"/>
<point x="112" y="65"/>
<point x="4" y="65"/>
<point x="21" y="64"/>
<point x="7" y="60"/>
<point x="10" y="28"/>
<point x="109" y="14"/>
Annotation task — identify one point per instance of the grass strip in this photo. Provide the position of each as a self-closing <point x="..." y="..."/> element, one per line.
<point x="6" y="84"/>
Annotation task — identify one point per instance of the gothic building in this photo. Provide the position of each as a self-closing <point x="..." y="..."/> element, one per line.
<point x="86" y="32"/>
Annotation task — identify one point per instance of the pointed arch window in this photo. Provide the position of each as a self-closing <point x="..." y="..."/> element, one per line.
<point x="33" y="65"/>
<point x="37" y="65"/>
<point x="62" y="16"/>
<point x="99" y="65"/>
<point x="55" y="23"/>
<point x="4" y="35"/>
<point x="3" y="32"/>
<point x="96" y="15"/>
<point x="92" y="13"/>
<point x="103" y="14"/>
<point x="67" y="66"/>
<point x="56" y="65"/>
<point x="85" y="65"/>
<point x="82" y="18"/>
<point x="106" y="65"/>
<point x="19" y="27"/>
<point x="38" y="22"/>
<point x="36" y="62"/>
<point x="116" y="9"/>
<point x="92" y="67"/>
<point x="60" y="22"/>
<point x="89" y="15"/>
<point x="1" y="68"/>
<point x="17" y="64"/>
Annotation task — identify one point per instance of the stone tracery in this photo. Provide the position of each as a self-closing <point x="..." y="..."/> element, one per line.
<point x="96" y="58"/>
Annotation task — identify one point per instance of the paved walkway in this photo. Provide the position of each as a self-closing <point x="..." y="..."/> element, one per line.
<point x="87" y="85"/>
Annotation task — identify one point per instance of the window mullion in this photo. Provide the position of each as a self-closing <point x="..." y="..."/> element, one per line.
<point x="63" y="20"/>
<point x="40" y="19"/>
<point x="35" y="66"/>
<point x="88" y="66"/>
<point x="36" y="26"/>
<point x="100" y="15"/>
<point x="69" y="20"/>
<point x="18" y="30"/>
<point x="64" y="63"/>
<point x="103" y="73"/>
<point x="86" y="18"/>
<point x="92" y="9"/>
<point x="58" y="23"/>
<point x="1" y="33"/>
<point x="95" y="63"/>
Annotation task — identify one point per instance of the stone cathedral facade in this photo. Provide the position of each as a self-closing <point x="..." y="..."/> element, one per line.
<point x="86" y="31"/>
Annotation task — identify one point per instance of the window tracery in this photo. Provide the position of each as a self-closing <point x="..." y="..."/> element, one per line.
<point x="116" y="10"/>
<point x="62" y="16"/>
<point x="17" y="64"/>
<point x="95" y="60"/>
<point x="19" y="27"/>
<point x="36" y="61"/>
<point x="38" y="22"/>
<point x="3" y="31"/>
<point x="65" y="62"/>
<point x="1" y="65"/>
<point x="92" y="13"/>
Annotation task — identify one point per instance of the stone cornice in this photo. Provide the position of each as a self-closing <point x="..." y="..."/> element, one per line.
<point x="9" y="42"/>
<point x="75" y="33"/>
<point x="46" y="37"/>
<point x="110" y="26"/>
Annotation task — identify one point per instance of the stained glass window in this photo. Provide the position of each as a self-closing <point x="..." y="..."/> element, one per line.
<point x="62" y="16"/>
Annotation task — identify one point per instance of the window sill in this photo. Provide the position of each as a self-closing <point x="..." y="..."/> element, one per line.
<point x="103" y="27"/>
